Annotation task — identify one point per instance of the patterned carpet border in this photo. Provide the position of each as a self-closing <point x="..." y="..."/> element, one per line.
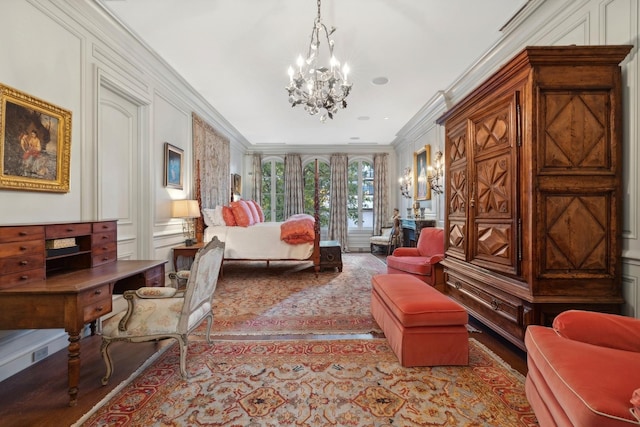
<point x="315" y="383"/>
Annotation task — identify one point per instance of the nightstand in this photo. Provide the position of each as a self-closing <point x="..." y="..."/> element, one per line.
<point x="185" y="251"/>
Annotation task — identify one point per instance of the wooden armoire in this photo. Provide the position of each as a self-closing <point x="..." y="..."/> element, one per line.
<point x="533" y="161"/>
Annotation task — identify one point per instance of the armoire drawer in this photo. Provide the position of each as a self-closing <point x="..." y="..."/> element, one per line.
<point x="484" y="300"/>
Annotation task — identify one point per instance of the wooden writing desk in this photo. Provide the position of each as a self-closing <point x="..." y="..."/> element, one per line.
<point x="72" y="300"/>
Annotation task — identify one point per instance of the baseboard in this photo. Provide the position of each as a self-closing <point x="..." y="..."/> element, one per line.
<point x="22" y="349"/>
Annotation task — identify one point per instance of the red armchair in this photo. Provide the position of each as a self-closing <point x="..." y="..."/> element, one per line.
<point x="584" y="370"/>
<point x="423" y="260"/>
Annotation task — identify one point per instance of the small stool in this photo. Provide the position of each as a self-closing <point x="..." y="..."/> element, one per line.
<point x="422" y="326"/>
<point x="330" y="254"/>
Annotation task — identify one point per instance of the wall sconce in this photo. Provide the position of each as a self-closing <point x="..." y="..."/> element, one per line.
<point x="405" y="183"/>
<point x="435" y="173"/>
<point x="187" y="210"/>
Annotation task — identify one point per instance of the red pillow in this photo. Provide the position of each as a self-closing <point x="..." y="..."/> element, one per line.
<point x="259" y="209"/>
<point x="227" y="215"/>
<point x="254" y="212"/>
<point x="242" y="213"/>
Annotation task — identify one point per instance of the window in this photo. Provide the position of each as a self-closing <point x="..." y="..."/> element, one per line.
<point x="324" y="175"/>
<point x="273" y="190"/>
<point x="360" y="197"/>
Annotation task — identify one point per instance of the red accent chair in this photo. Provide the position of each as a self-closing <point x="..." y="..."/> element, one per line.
<point x="584" y="370"/>
<point x="423" y="260"/>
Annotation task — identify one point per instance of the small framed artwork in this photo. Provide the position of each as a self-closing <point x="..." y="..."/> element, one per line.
<point x="35" y="143"/>
<point x="173" y="168"/>
<point x="421" y="162"/>
<point x="236" y="187"/>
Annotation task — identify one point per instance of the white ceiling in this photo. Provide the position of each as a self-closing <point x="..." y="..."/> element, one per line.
<point x="236" y="54"/>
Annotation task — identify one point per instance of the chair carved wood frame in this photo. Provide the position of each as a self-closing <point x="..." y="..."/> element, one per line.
<point x="155" y="313"/>
<point x="388" y="237"/>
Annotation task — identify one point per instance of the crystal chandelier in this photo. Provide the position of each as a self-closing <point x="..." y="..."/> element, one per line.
<point x="318" y="87"/>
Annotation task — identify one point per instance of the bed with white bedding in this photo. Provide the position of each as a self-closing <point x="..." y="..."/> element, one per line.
<point x="258" y="242"/>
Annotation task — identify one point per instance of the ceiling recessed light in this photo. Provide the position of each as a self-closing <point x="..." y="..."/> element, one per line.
<point x="355" y="138"/>
<point x="380" y="81"/>
<point x="363" y="118"/>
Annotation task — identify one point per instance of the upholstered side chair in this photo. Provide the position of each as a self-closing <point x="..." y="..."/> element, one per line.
<point x="155" y="313"/>
<point x="388" y="237"/>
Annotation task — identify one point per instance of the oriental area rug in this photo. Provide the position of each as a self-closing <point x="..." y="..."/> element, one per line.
<point x="287" y="298"/>
<point x="315" y="383"/>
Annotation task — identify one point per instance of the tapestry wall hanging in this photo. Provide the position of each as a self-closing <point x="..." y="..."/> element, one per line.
<point x="35" y="143"/>
<point x="212" y="152"/>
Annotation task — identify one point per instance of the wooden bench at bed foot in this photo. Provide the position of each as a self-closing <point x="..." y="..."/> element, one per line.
<point x="422" y="326"/>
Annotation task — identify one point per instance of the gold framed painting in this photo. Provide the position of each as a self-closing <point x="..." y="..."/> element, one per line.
<point x="421" y="162"/>
<point x="173" y="170"/>
<point x="35" y="143"/>
<point x="236" y="187"/>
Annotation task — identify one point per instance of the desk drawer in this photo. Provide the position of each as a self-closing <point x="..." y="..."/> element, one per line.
<point x="104" y="248"/>
<point x="100" y="227"/>
<point x="21" y="263"/>
<point x="22" y="248"/>
<point x="98" y="239"/>
<point x="155" y="276"/>
<point x="104" y="258"/>
<point x="17" y="234"/>
<point x="96" y="294"/>
<point x="96" y="310"/>
<point x="20" y="277"/>
<point x="59" y="231"/>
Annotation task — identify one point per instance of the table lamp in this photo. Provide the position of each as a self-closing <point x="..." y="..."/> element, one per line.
<point x="187" y="210"/>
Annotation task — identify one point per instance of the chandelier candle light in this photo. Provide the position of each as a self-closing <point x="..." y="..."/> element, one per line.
<point x="318" y="87"/>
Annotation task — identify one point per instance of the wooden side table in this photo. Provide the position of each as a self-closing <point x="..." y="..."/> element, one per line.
<point x="185" y="251"/>
<point x="330" y="254"/>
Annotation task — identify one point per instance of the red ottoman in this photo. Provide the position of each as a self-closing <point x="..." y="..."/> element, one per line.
<point x="423" y="326"/>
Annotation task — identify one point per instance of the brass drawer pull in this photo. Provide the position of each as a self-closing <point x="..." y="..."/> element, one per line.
<point x="99" y="309"/>
<point x="24" y="277"/>
<point x="98" y="292"/>
<point x="457" y="285"/>
<point x="495" y="304"/>
<point x="23" y="233"/>
<point x="23" y="262"/>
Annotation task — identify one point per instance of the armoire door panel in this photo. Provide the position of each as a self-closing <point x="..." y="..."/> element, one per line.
<point x="457" y="239"/>
<point x="494" y="247"/>
<point x="576" y="236"/>
<point x="575" y="133"/>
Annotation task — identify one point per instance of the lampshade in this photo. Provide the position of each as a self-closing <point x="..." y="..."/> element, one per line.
<point x="185" y="209"/>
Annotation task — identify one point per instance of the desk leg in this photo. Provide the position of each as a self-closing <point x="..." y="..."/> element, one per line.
<point x="73" y="367"/>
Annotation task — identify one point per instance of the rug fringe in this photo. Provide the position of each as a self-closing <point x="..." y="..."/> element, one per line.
<point x="122" y="385"/>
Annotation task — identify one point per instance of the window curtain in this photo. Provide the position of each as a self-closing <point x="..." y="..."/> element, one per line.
<point x="293" y="185"/>
<point x="256" y="193"/>
<point x="338" y="192"/>
<point x="380" y="191"/>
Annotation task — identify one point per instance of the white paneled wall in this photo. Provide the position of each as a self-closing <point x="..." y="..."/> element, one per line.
<point x="557" y="22"/>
